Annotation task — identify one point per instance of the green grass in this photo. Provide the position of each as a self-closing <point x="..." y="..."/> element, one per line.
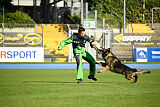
<point x="58" y="88"/>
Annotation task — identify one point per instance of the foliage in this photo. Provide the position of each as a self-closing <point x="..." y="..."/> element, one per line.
<point x="149" y="5"/>
<point x="6" y="3"/>
<point x="13" y="17"/>
<point x="135" y="13"/>
<point x="77" y="19"/>
<point x="17" y="18"/>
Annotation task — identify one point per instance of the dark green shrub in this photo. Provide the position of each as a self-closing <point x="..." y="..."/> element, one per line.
<point x="77" y="19"/>
<point x="18" y="18"/>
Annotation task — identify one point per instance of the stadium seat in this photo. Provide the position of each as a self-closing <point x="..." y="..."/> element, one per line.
<point x="139" y="28"/>
<point x="53" y="36"/>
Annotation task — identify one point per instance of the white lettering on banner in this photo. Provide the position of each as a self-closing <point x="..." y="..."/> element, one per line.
<point x="155" y="52"/>
<point x="136" y="38"/>
<point x="155" y="57"/>
<point x="21" y="54"/>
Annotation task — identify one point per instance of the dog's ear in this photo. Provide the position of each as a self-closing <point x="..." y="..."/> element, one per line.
<point x="105" y="50"/>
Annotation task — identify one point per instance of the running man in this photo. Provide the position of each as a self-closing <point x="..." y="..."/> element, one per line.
<point x="78" y="41"/>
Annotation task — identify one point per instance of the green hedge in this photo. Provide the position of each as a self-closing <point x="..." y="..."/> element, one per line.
<point x="17" y="18"/>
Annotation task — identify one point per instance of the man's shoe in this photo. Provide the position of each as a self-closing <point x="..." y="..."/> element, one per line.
<point x="92" y="77"/>
<point x="80" y="81"/>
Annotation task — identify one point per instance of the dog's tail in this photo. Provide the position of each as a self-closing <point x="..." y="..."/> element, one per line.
<point x="142" y="72"/>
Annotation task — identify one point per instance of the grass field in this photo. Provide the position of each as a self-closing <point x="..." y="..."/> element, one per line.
<point x="58" y="88"/>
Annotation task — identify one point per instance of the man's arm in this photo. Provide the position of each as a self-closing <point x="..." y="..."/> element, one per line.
<point x="90" y="40"/>
<point x="65" y="42"/>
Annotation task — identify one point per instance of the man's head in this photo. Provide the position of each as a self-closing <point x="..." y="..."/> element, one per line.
<point x="81" y="32"/>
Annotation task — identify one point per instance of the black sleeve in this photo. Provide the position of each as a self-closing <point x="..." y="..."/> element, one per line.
<point x="90" y="40"/>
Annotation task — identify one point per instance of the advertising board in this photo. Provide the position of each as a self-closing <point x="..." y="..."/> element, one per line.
<point x="147" y="54"/>
<point x="21" y="54"/>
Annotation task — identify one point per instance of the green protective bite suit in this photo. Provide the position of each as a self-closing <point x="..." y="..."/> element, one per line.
<point x="80" y="52"/>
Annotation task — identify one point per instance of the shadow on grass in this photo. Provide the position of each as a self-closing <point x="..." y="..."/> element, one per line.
<point x="62" y="82"/>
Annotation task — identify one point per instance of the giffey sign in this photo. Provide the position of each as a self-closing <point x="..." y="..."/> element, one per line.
<point x="21" y="54"/>
<point x="136" y="38"/>
<point x="120" y="38"/>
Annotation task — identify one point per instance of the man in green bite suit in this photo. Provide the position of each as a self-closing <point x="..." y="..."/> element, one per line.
<point x="78" y="41"/>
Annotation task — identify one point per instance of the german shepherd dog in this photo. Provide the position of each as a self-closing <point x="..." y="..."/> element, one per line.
<point x="113" y="64"/>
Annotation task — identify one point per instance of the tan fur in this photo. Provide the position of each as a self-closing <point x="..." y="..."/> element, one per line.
<point x="113" y="64"/>
<point x="104" y="69"/>
<point x="141" y="72"/>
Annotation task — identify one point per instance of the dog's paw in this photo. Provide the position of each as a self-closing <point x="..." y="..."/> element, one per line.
<point x="96" y="62"/>
<point x="99" y="71"/>
<point x="149" y="72"/>
<point x="132" y="82"/>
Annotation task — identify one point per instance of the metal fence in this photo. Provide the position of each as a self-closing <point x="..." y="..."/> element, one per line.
<point x="155" y="27"/>
<point x="123" y="45"/>
<point x="32" y="35"/>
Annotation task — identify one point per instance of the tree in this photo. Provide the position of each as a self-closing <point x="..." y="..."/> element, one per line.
<point x="45" y="7"/>
<point x="6" y="4"/>
<point x="45" y="10"/>
<point x="134" y="9"/>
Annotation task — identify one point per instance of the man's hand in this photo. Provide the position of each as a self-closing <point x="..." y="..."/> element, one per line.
<point x="92" y="38"/>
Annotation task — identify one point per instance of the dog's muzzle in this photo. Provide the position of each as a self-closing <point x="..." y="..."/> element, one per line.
<point x="97" y="47"/>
